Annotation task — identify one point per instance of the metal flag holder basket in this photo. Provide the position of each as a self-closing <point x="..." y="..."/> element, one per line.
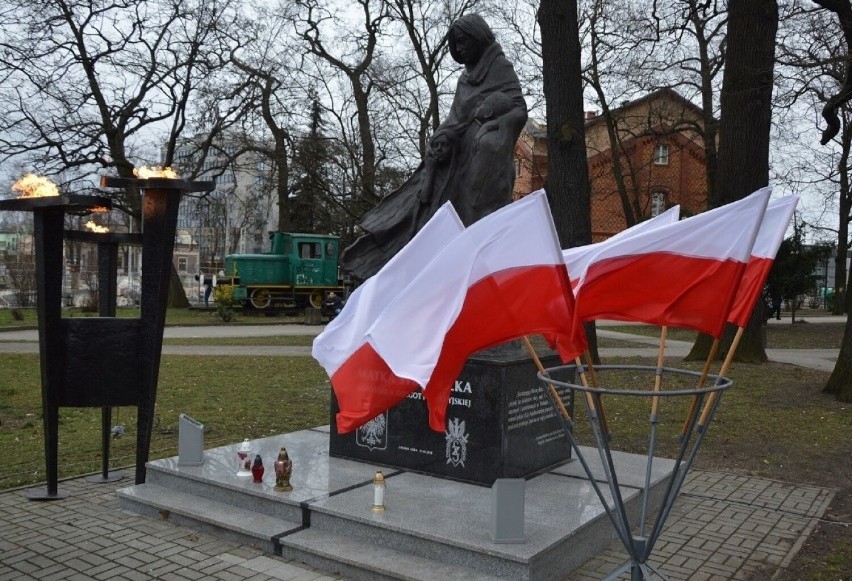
<point x="640" y="538"/>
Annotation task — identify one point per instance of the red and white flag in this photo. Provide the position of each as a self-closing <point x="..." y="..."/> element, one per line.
<point x="501" y="279"/>
<point x="680" y="275"/>
<point x="363" y="385"/>
<point x="577" y="259"/>
<point x="769" y="237"/>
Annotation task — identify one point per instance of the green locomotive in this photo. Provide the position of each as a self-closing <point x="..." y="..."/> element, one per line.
<point x="298" y="271"/>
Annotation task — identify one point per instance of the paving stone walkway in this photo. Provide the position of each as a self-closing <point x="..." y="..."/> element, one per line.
<point x="723" y="526"/>
<point x="728" y="526"/>
<point x="86" y="536"/>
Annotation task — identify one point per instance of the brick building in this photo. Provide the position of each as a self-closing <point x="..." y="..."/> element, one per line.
<point x="661" y="157"/>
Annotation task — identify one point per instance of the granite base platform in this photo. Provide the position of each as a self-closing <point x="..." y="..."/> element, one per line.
<point x="431" y="528"/>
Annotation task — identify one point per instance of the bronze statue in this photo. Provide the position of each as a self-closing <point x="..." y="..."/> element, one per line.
<point x="283" y="469"/>
<point x="470" y="157"/>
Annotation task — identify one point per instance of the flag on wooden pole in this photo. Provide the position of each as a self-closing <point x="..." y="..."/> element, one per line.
<point x="683" y="274"/>
<point x="501" y="279"/>
<point x="577" y="259"/>
<point x="769" y="237"/>
<point x="363" y="385"/>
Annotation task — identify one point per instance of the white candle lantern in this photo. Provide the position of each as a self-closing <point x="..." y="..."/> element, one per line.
<point x="244" y="459"/>
<point x="379" y="492"/>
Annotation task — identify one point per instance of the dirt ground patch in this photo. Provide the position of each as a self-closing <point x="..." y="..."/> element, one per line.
<point x="828" y="551"/>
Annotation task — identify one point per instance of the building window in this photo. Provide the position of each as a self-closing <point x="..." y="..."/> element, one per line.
<point x="661" y="155"/>
<point x="658" y="203"/>
<point x="182" y="263"/>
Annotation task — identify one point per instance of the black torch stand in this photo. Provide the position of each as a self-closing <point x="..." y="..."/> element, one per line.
<point x="159" y="224"/>
<point x="107" y="244"/>
<point x="48" y="223"/>
<point x="102" y="361"/>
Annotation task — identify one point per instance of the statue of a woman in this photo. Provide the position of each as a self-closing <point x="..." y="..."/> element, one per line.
<point x="469" y="161"/>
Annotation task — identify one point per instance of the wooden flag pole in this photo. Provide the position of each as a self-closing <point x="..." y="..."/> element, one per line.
<point x="590" y="401"/>
<point x="701" y="381"/>
<point x="559" y="404"/>
<point x="590" y="366"/>
<point x="594" y="377"/>
<point x="702" y="421"/>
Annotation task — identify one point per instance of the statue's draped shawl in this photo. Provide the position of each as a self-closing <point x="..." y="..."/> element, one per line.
<point x="394" y="221"/>
<point x="493" y="73"/>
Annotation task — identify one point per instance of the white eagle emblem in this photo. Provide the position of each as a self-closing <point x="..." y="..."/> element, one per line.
<point x="456" y="443"/>
<point x="373" y="434"/>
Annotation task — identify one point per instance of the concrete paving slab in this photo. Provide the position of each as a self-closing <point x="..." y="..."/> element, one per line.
<point x="315" y="475"/>
<point x="426" y="517"/>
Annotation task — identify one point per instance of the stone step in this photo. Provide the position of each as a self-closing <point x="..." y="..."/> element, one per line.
<point x="239" y="492"/>
<point x="449" y="522"/>
<point x="332" y="552"/>
<point x="356" y="559"/>
<point x="431" y="524"/>
<point x="236" y="524"/>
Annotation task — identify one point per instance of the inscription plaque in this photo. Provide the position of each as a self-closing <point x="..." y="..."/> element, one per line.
<point x="500" y="424"/>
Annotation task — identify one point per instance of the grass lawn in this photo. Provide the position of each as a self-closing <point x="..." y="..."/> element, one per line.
<point x="801" y="335"/>
<point x="234" y="397"/>
<point x="773" y="423"/>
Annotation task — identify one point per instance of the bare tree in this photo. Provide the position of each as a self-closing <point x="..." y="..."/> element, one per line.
<point x="744" y="130"/>
<point x="272" y="90"/>
<point x="88" y="87"/>
<point x="353" y="54"/>
<point x="695" y="31"/>
<point x="615" y="46"/>
<point x="20" y="269"/>
<point x="843" y="10"/>
<point x="522" y="45"/>
<point x="634" y="51"/>
<point x="567" y="178"/>
<point x="840" y="382"/>
<point x="425" y="25"/>
<point x="812" y="65"/>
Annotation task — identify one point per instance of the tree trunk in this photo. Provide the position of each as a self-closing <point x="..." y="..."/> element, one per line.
<point x="746" y="351"/>
<point x="840" y="382"/>
<point x="746" y="115"/>
<point x="567" y="184"/>
<point x="845" y="208"/>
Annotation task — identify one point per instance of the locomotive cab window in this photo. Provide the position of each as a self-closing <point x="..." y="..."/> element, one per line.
<point x="329" y="250"/>
<point x="310" y="250"/>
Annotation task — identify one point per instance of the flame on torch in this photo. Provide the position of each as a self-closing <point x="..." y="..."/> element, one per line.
<point x="33" y="186"/>
<point x="95" y="228"/>
<point x="146" y="172"/>
<point x="99" y="210"/>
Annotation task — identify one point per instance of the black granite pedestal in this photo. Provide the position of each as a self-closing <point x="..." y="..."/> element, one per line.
<point x="500" y="424"/>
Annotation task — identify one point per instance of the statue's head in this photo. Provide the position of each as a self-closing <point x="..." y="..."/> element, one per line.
<point x="440" y="145"/>
<point x="468" y="38"/>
